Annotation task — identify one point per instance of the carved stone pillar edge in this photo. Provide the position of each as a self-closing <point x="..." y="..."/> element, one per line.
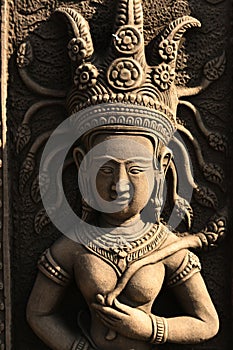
<point x="231" y="145"/>
<point x="5" y="278"/>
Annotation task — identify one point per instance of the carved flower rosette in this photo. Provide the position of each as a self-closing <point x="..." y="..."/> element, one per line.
<point x="127" y="40"/>
<point x="77" y="49"/>
<point x="164" y="76"/>
<point x="23" y="136"/>
<point x="24" y="55"/>
<point x="85" y="76"/>
<point x="217" y="141"/>
<point x="125" y="74"/>
<point x="167" y="50"/>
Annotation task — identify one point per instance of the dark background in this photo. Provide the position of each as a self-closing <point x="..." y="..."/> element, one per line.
<point x="32" y="20"/>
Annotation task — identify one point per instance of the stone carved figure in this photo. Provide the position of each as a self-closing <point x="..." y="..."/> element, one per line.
<point x="126" y="111"/>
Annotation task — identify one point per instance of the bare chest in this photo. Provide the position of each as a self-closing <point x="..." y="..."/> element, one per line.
<point x="96" y="276"/>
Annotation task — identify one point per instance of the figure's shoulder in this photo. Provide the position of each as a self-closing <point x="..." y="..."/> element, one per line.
<point x="181" y="265"/>
<point x="63" y="251"/>
<point x="173" y="261"/>
<point x="57" y="262"/>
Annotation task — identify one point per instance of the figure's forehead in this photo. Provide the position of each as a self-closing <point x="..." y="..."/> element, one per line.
<point x="123" y="146"/>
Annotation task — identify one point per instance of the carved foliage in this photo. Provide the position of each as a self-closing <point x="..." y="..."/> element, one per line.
<point x="206" y="197"/>
<point x="215" y="230"/>
<point x="214" y="69"/>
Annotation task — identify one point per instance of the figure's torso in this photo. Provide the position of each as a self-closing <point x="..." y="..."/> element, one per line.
<point x="95" y="276"/>
<point x="101" y="278"/>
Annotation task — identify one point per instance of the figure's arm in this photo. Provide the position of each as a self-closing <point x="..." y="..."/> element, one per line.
<point x="42" y="314"/>
<point x="48" y="291"/>
<point x="201" y="320"/>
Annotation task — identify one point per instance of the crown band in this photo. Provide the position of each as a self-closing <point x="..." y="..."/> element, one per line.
<point x="120" y="114"/>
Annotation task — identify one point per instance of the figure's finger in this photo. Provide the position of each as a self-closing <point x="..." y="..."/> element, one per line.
<point x="106" y="324"/>
<point x="97" y="306"/>
<point x="100" y="299"/>
<point x="111" y="318"/>
<point x="108" y="311"/>
<point x="106" y="321"/>
<point x="110" y="298"/>
<point x="122" y="307"/>
<point x="111" y="335"/>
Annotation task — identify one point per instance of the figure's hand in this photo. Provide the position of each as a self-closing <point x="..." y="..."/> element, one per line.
<point x="125" y="320"/>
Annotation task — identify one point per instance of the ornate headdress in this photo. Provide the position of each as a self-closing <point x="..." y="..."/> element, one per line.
<point x="119" y="87"/>
<point x="145" y="95"/>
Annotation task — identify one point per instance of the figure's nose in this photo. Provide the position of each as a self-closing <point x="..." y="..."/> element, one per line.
<point x="122" y="183"/>
<point x="122" y="186"/>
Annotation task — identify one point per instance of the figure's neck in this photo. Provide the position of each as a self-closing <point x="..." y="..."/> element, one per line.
<point x="134" y="223"/>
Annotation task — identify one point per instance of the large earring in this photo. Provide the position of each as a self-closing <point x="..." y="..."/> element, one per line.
<point x="157" y="199"/>
<point x="87" y="213"/>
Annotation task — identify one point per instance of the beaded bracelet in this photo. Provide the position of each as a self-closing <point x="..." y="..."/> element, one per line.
<point x="80" y="344"/>
<point x="159" y="329"/>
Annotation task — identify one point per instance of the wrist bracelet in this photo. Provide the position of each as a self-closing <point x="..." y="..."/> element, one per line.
<point x="80" y="344"/>
<point x="159" y="329"/>
<point x="154" y="329"/>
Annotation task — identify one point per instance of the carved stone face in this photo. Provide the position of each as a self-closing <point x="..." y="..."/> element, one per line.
<point x="126" y="173"/>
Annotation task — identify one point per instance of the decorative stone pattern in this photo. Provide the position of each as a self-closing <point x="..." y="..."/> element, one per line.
<point x="127" y="40"/>
<point x="85" y="76"/>
<point x="164" y="75"/>
<point x="167" y="49"/>
<point x="77" y="49"/>
<point x="125" y="74"/>
<point x="50" y="68"/>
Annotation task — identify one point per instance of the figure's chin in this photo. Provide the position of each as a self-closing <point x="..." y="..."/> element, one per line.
<point x="125" y="213"/>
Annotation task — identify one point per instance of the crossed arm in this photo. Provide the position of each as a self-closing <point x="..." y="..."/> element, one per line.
<point x="200" y="323"/>
<point x="43" y="315"/>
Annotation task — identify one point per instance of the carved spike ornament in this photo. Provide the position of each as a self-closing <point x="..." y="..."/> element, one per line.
<point x="123" y="77"/>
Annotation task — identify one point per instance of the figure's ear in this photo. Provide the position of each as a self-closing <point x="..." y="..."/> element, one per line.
<point x="78" y="154"/>
<point x="165" y="158"/>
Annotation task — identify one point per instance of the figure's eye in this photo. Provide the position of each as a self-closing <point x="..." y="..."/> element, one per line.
<point x="135" y="170"/>
<point x="106" y="170"/>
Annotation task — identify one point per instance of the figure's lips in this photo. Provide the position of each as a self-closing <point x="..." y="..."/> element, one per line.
<point x="122" y="199"/>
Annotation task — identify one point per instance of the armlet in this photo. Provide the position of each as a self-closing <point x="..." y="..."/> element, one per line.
<point x="189" y="266"/>
<point x="48" y="266"/>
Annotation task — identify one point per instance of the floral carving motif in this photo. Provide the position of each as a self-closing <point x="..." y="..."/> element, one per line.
<point x="213" y="173"/>
<point x="24" y="55"/>
<point x="23" y="137"/>
<point x="215" y="68"/>
<point x="77" y="49"/>
<point x="168" y="49"/>
<point x="218" y="141"/>
<point x="42" y="219"/>
<point x="206" y="197"/>
<point x="215" y="231"/>
<point x="40" y="186"/>
<point x="164" y="75"/>
<point x="26" y="171"/>
<point x="85" y="76"/>
<point x="125" y="73"/>
<point x="127" y="39"/>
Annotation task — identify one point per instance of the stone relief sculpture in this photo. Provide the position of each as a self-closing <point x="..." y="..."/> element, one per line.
<point x="123" y="110"/>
